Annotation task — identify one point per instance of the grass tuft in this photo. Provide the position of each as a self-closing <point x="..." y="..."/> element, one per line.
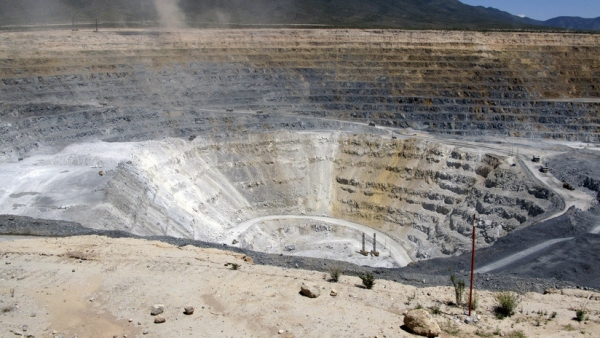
<point x="507" y="303"/>
<point x="368" y="280"/>
<point x="335" y="273"/>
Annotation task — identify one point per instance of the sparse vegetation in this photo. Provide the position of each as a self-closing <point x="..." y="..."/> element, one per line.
<point x="368" y="280"/>
<point x="475" y="303"/>
<point x="569" y="327"/>
<point x="335" y="273"/>
<point x="235" y="266"/>
<point x="553" y="315"/>
<point x="481" y="333"/>
<point x="8" y="308"/>
<point x="435" y="310"/>
<point x="580" y="315"/>
<point x="450" y="328"/>
<point x="419" y="306"/>
<point x="507" y="303"/>
<point x="516" y="334"/>
<point x="459" y="287"/>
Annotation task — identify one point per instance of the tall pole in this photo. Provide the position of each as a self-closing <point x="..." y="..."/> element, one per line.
<point x="472" y="267"/>
<point x="96" y="24"/>
<point x="363" y="244"/>
<point x="374" y="243"/>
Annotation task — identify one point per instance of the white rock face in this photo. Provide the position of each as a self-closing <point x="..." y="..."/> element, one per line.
<point x="421" y="193"/>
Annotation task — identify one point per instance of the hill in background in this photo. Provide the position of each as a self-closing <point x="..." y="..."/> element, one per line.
<point x="411" y="14"/>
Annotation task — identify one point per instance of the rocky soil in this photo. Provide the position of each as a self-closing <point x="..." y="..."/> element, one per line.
<point x="98" y="286"/>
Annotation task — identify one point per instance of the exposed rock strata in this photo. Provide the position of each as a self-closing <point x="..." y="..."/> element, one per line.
<point x="60" y="87"/>
<point x="420" y="192"/>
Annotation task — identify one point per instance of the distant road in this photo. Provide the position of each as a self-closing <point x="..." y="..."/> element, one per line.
<point x="519" y="255"/>
<point x="397" y="251"/>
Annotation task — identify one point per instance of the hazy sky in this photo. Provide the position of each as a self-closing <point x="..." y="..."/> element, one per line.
<point x="543" y="9"/>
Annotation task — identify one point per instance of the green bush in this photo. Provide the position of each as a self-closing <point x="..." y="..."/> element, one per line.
<point x="335" y="274"/>
<point x="475" y="303"/>
<point x="235" y="266"/>
<point x="368" y="280"/>
<point x="507" y="303"/>
<point x="580" y="315"/>
<point x="459" y="288"/>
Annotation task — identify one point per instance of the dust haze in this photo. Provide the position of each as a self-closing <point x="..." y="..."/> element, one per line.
<point x="169" y="13"/>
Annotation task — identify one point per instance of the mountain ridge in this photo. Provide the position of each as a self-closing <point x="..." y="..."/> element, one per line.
<point x="403" y="14"/>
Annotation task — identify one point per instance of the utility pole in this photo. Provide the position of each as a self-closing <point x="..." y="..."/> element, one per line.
<point x="472" y="267"/>
<point x="96" y="25"/>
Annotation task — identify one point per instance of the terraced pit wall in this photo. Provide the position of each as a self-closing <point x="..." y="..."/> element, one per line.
<point x="59" y="87"/>
<point x="421" y="193"/>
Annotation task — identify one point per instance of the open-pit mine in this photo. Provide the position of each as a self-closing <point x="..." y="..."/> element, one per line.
<point x="298" y="142"/>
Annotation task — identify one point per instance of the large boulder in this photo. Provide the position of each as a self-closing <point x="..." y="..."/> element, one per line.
<point x="310" y="291"/>
<point x="422" y="323"/>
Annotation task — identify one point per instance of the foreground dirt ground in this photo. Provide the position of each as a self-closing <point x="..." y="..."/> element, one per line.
<point x="100" y="287"/>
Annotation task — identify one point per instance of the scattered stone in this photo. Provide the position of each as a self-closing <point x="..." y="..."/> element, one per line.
<point x="73" y="270"/>
<point x="157" y="309"/>
<point x="310" y="291"/>
<point x="7" y="263"/>
<point x="248" y="259"/>
<point x="25" y="327"/>
<point x="281" y="331"/>
<point x="188" y="310"/>
<point x="333" y="293"/>
<point x="33" y="314"/>
<point x="145" y="332"/>
<point x="159" y="319"/>
<point x="422" y="323"/>
<point x="235" y="241"/>
<point x="130" y="320"/>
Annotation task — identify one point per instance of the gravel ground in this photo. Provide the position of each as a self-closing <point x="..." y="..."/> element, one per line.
<point x="546" y="269"/>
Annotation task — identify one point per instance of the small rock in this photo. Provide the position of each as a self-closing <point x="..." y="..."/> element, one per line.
<point x="468" y="320"/>
<point x="25" y="327"/>
<point x="188" y="310"/>
<point x="7" y="263"/>
<point x="310" y="291"/>
<point x="73" y="270"/>
<point x="145" y="332"/>
<point x="33" y="314"/>
<point x="130" y="320"/>
<point x="280" y="331"/>
<point x="422" y="323"/>
<point x="333" y="293"/>
<point x="159" y="319"/>
<point x="157" y="309"/>
<point x="235" y="241"/>
<point x="248" y="259"/>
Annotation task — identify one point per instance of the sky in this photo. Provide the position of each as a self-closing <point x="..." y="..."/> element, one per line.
<point x="543" y="9"/>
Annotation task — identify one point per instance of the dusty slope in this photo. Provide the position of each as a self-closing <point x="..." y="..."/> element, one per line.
<point x="93" y="286"/>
